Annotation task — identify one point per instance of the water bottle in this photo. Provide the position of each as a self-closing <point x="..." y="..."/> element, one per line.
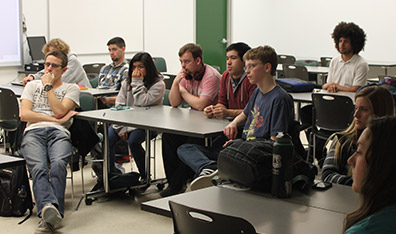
<point x="282" y="170"/>
<point x="22" y="192"/>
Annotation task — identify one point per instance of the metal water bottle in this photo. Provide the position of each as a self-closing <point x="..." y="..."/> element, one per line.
<point x="282" y="170"/>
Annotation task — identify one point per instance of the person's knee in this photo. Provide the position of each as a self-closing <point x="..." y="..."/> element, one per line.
<point x="59" y="164"/>
<point x="185" y="151"/>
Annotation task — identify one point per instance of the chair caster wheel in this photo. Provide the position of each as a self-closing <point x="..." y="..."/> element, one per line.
<point x="160" y="187"/>
<point x="88" y="201"/>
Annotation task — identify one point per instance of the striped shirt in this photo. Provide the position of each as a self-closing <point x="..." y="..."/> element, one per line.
<point x="333" y="172"/>
<point x="111" y="76"/>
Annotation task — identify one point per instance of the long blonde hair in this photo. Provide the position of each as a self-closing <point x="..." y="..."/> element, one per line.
<point x="381" y="103"/>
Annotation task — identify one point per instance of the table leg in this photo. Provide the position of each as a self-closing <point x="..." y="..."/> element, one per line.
<point x="147" y="156"/>
<point x="105" y="158"/>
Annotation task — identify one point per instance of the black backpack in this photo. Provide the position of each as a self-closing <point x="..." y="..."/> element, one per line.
<point x="249" y="163"/>
<point x="15" y="193"/>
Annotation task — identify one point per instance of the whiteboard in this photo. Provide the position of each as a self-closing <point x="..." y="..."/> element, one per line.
<point x="10" y="28"/>
<point x="87" y="25"/>
<point x="303" y="28"/>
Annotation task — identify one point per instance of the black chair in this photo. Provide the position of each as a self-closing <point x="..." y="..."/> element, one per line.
<point x="331" y="113"/>
<point x="187" y="220"/>
<point x="168" y="80"/>
<point x="325" y="61"/>
<point x="9" y="114"/>
<point x="286" y="59"/>
<point x="295" y="71"/>
<point x="93" y="67"/>
<point x="307" y="62"/>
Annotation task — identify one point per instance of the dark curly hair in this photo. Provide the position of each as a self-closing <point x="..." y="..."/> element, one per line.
<point x="351" y="31"/>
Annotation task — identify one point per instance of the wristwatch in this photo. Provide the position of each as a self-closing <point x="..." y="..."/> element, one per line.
<point x="47" y="87"/>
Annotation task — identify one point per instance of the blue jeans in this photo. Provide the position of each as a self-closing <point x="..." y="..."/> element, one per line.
<point x="197" y="156"/>
<point x="135" y="140"/>
<point x="46" y="151"/>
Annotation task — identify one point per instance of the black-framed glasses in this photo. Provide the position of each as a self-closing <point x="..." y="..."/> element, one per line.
<point x="53" y="65"/>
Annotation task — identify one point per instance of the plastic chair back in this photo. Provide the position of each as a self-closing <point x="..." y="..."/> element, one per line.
<point x="307" y="62"/>
<point x="87" y="101"/>
<point x="286" y="59"/>
<point x="332" y="112"/>
<point x="160" y="64"/>
<point x="93" y="79"/>
<point x="165" y="101"/>
<point x="9" y="110"/>
<point x="325" y="61"/>
<point x="93" y="67"/>
<point x="187" y="220"/>
<point x="295" y="71"/>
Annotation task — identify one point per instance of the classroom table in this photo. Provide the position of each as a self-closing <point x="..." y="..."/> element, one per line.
<point x="310" y="69"/>
<point x="321" y="212"/>
<point x="97" y="93"/>
<point x="10" y="161"/>
<point x="14" y="88"/>
<point x="306" y="97"/>
<point x="181" y="121"/>
<point x="384" y="65"/>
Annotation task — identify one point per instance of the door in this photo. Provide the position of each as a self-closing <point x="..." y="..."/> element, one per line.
<point x="211" y="31"/>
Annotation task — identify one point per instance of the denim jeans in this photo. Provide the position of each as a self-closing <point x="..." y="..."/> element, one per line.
<point x="135" y="140"/>
<point x="46" y="151"/>
<point x="197" y="156"/>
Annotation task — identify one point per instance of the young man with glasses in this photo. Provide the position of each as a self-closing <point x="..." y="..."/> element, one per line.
<point x="47" y="106"/>
<point x="269" y="110"/>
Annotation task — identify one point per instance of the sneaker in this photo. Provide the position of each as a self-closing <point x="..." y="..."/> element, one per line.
<point x="51" y="214"/>
<point x="169" y="191"/>
<point x="44" y="228"/>
<point x="204" y="179"/>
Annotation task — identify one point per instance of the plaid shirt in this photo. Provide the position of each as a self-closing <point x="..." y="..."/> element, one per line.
<point x="110" y="76"/>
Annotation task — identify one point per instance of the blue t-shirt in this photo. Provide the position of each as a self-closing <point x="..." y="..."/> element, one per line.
<point x="267" y="114"/>
<point x="383" y="222"/>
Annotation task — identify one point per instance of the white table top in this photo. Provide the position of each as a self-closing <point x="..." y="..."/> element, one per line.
<point x="10" y="161"/>
<point x="313" y="214"/>
<point x="17" y="89"/>
<point x="381" y="63"/>
<point x="160" y="118"/>
<point x="310" y="69"/>
<point x="307" y="96"/>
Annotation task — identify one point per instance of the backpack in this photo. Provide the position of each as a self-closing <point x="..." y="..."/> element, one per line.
<point x="15" y="193"/>
<point x="249" y="163"/>
<point x="295" y="85"/>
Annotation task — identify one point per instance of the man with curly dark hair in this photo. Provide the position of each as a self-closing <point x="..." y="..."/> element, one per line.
<point x="348" y="71"/>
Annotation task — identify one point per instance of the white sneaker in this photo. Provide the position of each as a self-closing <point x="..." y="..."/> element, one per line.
<point x="51" y="214"/>
<point x="204" y="179"/>
<point x="44" y="228"/>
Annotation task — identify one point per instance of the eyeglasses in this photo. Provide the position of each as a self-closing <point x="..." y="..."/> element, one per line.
<point x="53" y="65"/>
<point x="251" y="66"/>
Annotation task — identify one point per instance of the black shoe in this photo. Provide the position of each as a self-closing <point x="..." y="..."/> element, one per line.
<point x="169" y="191"/>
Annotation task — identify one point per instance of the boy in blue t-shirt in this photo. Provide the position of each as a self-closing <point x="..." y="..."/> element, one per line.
<point x="269" y="110"/>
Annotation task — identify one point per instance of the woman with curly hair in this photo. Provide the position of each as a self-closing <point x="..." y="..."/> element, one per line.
<point x="373" y="101"/>
<point x="373" y="169"/>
